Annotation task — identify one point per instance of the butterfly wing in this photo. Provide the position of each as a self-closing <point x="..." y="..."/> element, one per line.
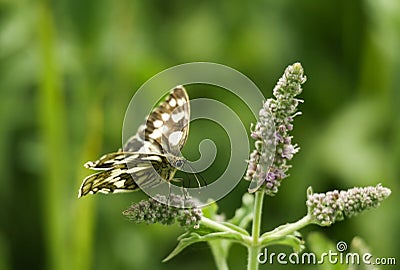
<point x="143" y="159"/>
<point x="167" y="127"/>
<point x="116" y="179"/>
<point x="122" y="172"/>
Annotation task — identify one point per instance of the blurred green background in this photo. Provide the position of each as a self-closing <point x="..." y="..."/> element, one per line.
<point x="69" y="68"/>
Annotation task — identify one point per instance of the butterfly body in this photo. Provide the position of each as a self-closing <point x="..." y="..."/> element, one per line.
<point x="149" y="157"/>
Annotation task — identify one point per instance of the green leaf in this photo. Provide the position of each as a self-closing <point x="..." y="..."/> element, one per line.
<point x="185" y="241"/>
<point x="293" y="240"/>
<point x="188" y="239"/>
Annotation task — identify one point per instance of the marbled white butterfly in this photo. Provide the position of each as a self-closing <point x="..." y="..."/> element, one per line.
<point x="150" y="156"/>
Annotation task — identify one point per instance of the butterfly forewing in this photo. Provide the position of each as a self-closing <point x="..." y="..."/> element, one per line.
<point x="146" y="157"/>
<point x="166" y="128"/>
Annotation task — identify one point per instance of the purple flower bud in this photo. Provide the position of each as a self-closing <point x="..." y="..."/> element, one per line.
<point x="281" y="112"/>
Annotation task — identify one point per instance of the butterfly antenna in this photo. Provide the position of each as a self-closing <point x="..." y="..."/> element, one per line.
<point x="197" y="179"/>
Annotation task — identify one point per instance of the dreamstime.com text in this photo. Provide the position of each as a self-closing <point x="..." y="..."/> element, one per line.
<point x="332" y="257"/>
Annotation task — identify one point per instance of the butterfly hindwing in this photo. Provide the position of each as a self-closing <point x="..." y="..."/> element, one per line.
<point x="143" y="161"/>
<point x="108" y="181"/>
<point x="121" y="172"/>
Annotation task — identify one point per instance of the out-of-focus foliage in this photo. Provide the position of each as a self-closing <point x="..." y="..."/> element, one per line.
<point x="69" y="68"/>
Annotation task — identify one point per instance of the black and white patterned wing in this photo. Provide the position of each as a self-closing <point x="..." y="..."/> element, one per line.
<point x="166" y="128"/>
<point x="143" y="159"/>
<point x="123" y="172"/>
<point x="116" y="179"/>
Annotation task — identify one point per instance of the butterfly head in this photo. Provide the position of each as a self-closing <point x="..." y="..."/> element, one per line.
<point x="175" y="161"/>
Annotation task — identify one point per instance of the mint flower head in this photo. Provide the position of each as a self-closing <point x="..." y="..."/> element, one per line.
<point x="156" y="210"/>
<point x="272" y="132"/>
<point x="326" y="208"/>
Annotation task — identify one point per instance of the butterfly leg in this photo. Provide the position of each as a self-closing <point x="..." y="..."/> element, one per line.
<point x="184" y="190"/>
<point x="169" y="193"/>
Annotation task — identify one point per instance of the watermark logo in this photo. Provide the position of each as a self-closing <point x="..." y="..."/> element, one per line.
<point x="338" y="256"/>
<point x="341" y="246"/>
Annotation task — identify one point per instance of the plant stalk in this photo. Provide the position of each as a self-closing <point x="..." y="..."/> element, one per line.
<point x="215" y="225"/>
<point x="254" y="248"/>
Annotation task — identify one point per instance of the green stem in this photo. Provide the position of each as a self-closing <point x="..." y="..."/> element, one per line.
<point x="286" y="229"/>
<point x="254" y="248"/>
<point x="215" y="225"/>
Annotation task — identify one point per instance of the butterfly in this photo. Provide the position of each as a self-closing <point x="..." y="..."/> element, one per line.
<point x="149" y="157"/>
